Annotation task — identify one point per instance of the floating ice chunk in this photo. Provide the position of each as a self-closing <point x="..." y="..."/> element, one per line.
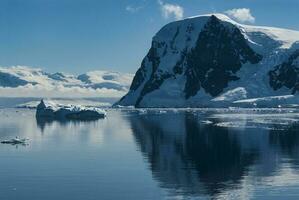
<point x="142" y="111"/>
<point x="206" y="122"/>
<point x="76" y="102"/>
<point x="51" y="110"/>
<point x="162" y="111"/>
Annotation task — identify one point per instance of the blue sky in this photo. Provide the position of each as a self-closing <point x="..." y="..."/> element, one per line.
<point x="76" y="36"/>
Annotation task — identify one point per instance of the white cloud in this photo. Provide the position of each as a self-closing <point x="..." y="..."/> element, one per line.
<point x="136" y="7"/>
<point x="133" y="9"/>
<point x="171" y="10"/>
<point x="241" y="14"/>
<point x="60" y="91"/>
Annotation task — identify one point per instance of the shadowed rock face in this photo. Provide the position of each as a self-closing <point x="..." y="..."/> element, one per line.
<point x="155" y="80"/>
<point x="140" y="75"/>
<point x="286" y="74"/>
<point x="219" y="53"/>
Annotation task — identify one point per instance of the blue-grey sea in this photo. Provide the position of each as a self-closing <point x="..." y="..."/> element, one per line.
<point x="152" y="154"/>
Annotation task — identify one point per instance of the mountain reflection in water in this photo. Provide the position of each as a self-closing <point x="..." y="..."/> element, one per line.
<point x="42" y="123"/>
<point x="192" y="158"/>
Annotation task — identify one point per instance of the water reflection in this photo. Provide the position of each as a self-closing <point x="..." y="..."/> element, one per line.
<point x="216" y="155"/>
<point x="286" y="142"/>
<point x="191" y="158"/>
<point x="42" y="123"/>
<point x="18" y="145"/>
<point x="191" y="154"/>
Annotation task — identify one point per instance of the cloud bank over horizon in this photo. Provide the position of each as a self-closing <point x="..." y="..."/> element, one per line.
<point x="21" y="81"/>
<point x="39" y="91"/>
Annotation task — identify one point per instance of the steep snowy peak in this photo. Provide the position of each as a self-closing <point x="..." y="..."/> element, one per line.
<point x="195" y="60"/>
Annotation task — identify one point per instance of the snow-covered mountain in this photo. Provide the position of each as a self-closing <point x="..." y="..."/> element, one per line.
<point x="211" y="60"/>
<point x="23" y="81"/>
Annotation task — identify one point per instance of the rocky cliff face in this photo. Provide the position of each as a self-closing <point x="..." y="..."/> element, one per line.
<point x="197" y="60"/>
<point x="219" y="53"/>
<point x="286" y="74"/>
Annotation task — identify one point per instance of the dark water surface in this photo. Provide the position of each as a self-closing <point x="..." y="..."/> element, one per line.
<point x="152" y="154"/>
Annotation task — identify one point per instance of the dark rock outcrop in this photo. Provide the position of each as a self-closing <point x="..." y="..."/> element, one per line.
<point x="219" y="53"/>
<point x="286" y="74"/>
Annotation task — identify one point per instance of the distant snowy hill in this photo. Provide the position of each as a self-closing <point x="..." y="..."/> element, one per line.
<point x="23" y="81"/>
<point x="211" y="60"/>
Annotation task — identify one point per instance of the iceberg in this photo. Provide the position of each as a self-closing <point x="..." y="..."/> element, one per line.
<point x="51" y="110"/>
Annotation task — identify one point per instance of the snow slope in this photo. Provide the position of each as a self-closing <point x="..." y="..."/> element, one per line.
<point x="210" y="60"/>
<point x="21" y="81"/>
<point x="286" y="37"/>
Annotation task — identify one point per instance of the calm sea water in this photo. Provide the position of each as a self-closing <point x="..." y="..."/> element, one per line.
<point x="152" y="154"/>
